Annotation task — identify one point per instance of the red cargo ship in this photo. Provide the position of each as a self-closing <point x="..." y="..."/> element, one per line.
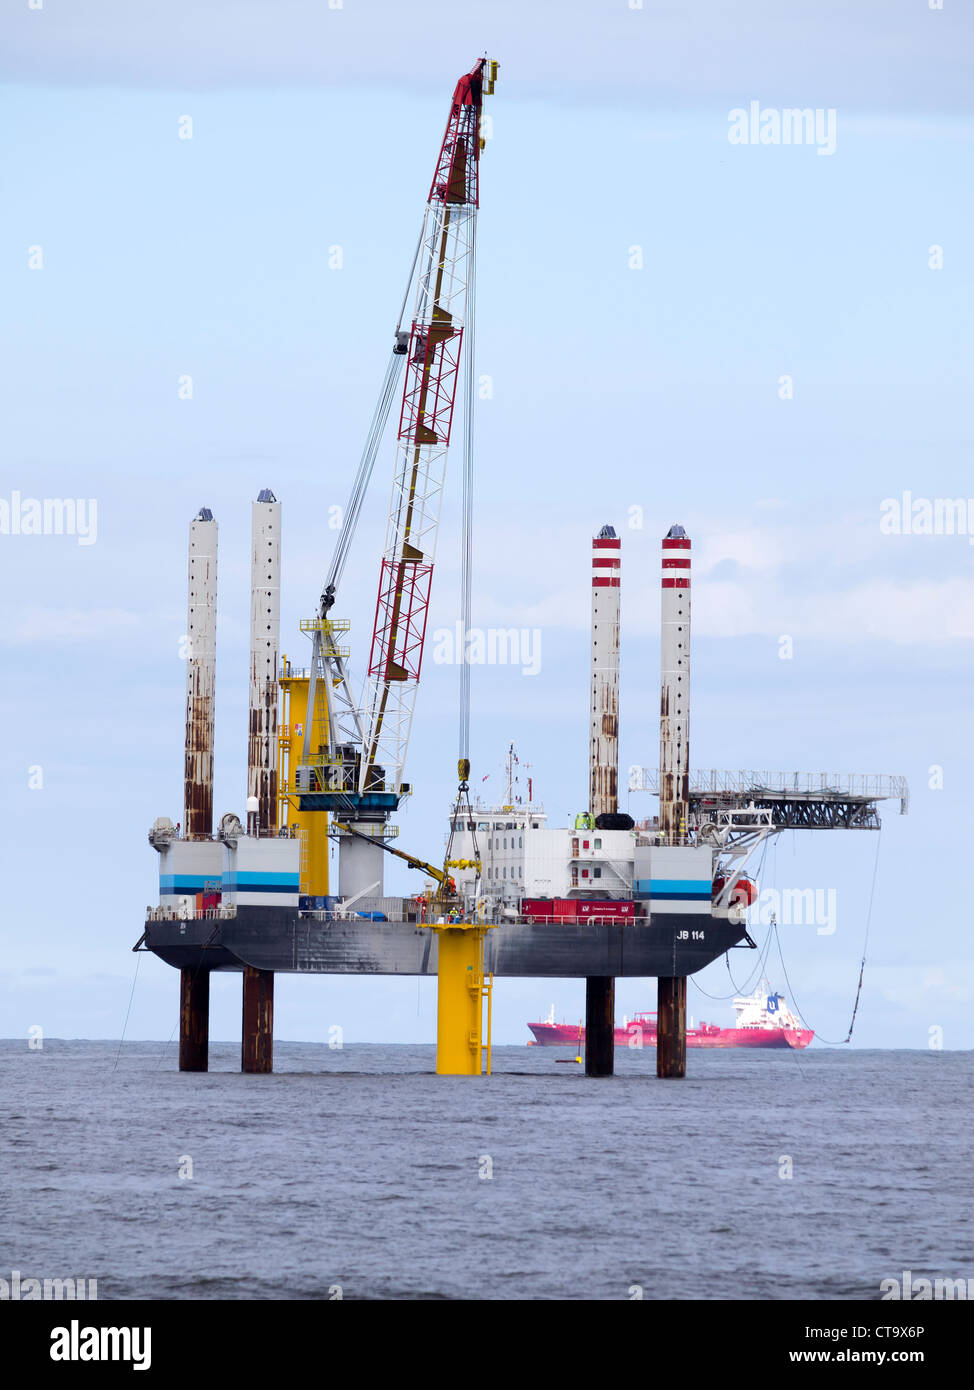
<point x="762" y="1021"/>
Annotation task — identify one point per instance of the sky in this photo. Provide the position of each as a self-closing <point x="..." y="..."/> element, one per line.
<point x="763" y="342"/>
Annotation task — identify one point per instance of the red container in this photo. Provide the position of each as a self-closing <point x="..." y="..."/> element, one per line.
<point x="563" y="911"/>
<point x="606" y="910"/>
<point x="551" y="911"/>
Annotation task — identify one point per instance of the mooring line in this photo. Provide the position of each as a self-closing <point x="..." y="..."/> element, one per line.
<point x="840" y="1042"/>
<point x="138" y="962"/>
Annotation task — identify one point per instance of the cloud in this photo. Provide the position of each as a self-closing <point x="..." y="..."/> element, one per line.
<point x="918" y="613"/>
<point x="664" y="56"/>
<point x="835" y="579"/>
<point x="36" y="626"/>
<point x="920" y="988"/>
<point x="909" y="128"/>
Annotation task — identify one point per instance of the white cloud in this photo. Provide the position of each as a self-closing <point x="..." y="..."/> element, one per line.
<point x="909" y="127"/>
<point x="30" y="626"/>
<point x="822" y="579"/>
<point x="922" y="988"/>
<point x="667" y="56"/>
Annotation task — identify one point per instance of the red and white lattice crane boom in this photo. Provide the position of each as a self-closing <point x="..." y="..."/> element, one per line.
<point x="354" y="757"/>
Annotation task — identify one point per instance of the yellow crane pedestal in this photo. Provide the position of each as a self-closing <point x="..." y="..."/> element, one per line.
<point x="461" y="991"/>
<point x="310" y="826"/>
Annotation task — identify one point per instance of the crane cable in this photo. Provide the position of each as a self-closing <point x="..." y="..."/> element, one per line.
<point x="466" y="565"/>
<point x="840" y="1042"/>
<point x="138" y="962"/>
<point x="862" y="963"/>
<point x="466" y="551"/>
<point x="372" y="442"/>
<point x="350" y="517"/>
<point x="762" y="955"/>
<point x="364" y="474"/>
<point x="773" y="932"/>
<point x="409" y="282"/>
<point x="758" y="968"/>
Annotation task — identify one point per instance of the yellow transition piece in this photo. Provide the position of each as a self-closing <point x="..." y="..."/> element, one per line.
<point x="461" y="991"/>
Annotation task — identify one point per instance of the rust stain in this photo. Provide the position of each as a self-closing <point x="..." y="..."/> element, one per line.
<point x="198" y="772"/>
<point x="262" y="750"/>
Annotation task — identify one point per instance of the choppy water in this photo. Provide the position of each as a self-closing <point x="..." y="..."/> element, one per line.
<point x="361" y="1168"/>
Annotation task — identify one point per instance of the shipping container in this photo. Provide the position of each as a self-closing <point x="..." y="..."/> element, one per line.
<point x="563" y="911"/>
<point x="608" y="910"/>
<point x="539" y="909"/>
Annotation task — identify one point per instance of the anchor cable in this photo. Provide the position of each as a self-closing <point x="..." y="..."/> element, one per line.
<point x="839" y="1042"/>
<point x="138" y="962"/>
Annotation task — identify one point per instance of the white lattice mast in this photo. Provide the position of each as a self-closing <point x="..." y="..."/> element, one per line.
<point x="265" y="641"/>
<point x="444" y="273"/>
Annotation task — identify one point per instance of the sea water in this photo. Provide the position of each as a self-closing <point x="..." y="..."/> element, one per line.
<point x="359" y="1173"/>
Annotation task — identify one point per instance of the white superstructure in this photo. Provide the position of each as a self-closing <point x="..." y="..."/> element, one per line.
<point x="764" y="1009"/>
<point x="523" y="857"/>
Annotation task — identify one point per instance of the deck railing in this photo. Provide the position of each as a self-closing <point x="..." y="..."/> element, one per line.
<point x="196" y="914"/>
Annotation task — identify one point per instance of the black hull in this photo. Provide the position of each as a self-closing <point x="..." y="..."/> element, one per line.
<point x="277" y="939"/>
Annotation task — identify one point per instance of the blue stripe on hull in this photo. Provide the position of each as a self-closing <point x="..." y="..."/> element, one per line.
<point x="185" y="883"/>
<point x="257" y="883"/>
<point x="675" y="889"/>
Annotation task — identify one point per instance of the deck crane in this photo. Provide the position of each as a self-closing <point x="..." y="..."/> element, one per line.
<point x="354" y="751"/>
